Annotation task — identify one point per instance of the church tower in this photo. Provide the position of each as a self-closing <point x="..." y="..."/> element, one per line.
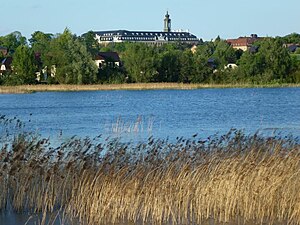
<point x="167" y="23"/>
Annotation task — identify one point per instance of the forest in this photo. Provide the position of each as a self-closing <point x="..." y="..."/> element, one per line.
<point x="66" y="58"/>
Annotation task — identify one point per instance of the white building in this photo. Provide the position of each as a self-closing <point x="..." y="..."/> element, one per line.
<point x="149" y="37"/>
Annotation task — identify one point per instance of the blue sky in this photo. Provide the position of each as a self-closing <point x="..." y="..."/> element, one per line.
<point x="206" y="19"/>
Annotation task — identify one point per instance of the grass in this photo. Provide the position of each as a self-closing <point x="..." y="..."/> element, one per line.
<point x="233" y="178"/>
<point x="136" y="86"/>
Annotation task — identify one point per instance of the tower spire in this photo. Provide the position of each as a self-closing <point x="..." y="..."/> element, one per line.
<point x="167" y="23"/>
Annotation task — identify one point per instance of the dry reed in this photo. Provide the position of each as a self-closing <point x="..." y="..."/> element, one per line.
<point x="132" y="86"/>
<point x="233" y="178"/>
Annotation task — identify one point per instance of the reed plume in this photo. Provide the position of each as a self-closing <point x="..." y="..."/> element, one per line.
<point x="233" y="178"/>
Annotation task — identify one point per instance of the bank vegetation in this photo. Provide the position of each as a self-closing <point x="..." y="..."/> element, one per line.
<point x="21" y="89"/>
<point x="232" y="178"/>
<point x="69" y="59"/>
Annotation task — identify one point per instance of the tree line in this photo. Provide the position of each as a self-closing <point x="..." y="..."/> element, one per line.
<point x="68" y="59"/>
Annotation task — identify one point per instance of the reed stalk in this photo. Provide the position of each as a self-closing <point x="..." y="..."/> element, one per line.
<point x="132" y="86"/>
<point x="233" y="178"/>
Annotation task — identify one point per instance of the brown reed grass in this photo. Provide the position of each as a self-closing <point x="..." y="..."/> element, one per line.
<point x="233" y="178"/>
<point x="132" y="86"/>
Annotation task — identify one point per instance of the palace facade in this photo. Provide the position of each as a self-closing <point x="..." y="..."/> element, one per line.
<point x="149" y="37"/>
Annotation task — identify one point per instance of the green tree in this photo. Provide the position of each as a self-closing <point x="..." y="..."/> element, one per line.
<point x="187" y="69"/>
<point x="73" y="63"/>
<point x="13" y="40"/>
<point x="140" y="62"/>
<point x="91" y="43"/>
<point x="278" y="60"/>
<point x="271" y="62"/>
<point x="224" y="54"/>
<point x="169" y="66"/>
<point x="24" y="66"/>
<point x="294" y="76"/>
<point x="40" y="41"/>
<point x="82" y="69"/>
<point x="202" y="70"/>
<point x="292" y="38"/>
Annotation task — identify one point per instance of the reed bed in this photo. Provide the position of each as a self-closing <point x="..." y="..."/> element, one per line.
<point x="228" y="179"/>
<point x="132" y="86"/>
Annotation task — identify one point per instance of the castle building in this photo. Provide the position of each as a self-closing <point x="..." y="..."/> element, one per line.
<point x="149" y="37"/>
<point x="243" y="43"/>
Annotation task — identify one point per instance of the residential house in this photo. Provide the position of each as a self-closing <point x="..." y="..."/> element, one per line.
<point x="292" y="47"/>
<point x="110" y="59"/>
<point x="243" y="43"/>
<point x="231" y="66"/>
<point x="6" y="65"/>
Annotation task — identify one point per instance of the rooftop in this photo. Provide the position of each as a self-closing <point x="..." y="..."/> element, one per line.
<point x="144" y="33"/>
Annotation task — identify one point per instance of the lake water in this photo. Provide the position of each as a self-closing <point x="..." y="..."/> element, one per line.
<point x="161" y="113"/>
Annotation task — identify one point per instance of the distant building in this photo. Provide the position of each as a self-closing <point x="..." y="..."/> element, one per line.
<point x="292" y="47"/>
<point x="194" y="49"/>
<point x="110" y="59"/>
<point x="149" y="37"/>
<point x="243" y="43"/>
<point x="231" y="66"/>
<point x="6" y="65"/>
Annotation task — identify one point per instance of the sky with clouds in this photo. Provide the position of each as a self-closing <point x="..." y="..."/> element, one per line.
<point x="206" y="19"/>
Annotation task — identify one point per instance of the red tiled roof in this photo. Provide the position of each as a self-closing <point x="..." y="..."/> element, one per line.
<point x="241" y="41"/>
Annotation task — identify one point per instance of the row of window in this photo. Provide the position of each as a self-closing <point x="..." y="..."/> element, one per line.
<point x="151" y="34"/>
<point x="239" y="44"/>
<point x="147" y="39"/>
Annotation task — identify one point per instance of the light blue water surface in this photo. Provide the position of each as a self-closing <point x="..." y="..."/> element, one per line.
<point x="161" y="113"/>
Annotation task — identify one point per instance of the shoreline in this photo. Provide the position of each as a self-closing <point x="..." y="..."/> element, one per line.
<point x="23" y="89"/>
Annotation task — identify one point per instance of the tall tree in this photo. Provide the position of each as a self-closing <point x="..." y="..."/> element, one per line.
<point x="187" y="68"/>
<point x="24" y="66"/>
<point x="40" y="41"/>
<point x="202" y="70"/>
<point x="13" y="40"/>
<point x="73" y="63"/>
<point x="292" y="38"/>
<point x="278" y="60"/>
<point x="140" y="62"/>
<point x="271" y="62"/>
<point x="169" y="66"/>
<point x="82" y="69"/>
<point x="91" y="43"/>
<point x="224" y="54"/>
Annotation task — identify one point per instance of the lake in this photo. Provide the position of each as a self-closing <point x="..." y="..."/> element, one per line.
<point x="162" y="113"/>
<point x="136" y="115"/>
